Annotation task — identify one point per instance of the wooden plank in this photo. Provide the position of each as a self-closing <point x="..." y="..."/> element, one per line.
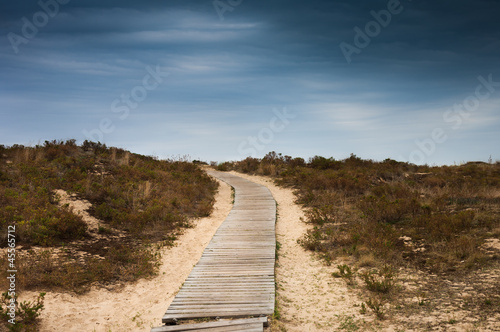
<point x="212" y="307"/>
<point x="214" y="296"/>
<point x="207" y="282"/>
<point x="229" y="291"/>
<point x="238" y="328"/>
<point x="233" y="280"/>
<point x="226" y="295"/>
<point x="209" y="286"/>
<point x="218" y="301"/>
<point x="229" y="288"/>
<point x="172" y="318"/>
<point x="215" y="301"/>
<point x="243" y="292"/>
<point x="242" y="328"/>
<point x="203" y="326"/>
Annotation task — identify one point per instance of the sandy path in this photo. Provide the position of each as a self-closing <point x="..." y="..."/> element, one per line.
<point x="138" y="306"/>
<point x="309" y="298"/>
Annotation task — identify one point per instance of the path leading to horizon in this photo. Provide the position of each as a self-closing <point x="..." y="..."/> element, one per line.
<point x="235" y="276"/>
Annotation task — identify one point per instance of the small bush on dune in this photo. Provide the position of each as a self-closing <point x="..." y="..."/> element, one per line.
<point x="26" y="313"/>
<point x="377" y="306"/>
<point x="224" y="167"/>
<point x="346" y="273"/>
<point x="249" y="165"/>
<point x="379" y="281"/>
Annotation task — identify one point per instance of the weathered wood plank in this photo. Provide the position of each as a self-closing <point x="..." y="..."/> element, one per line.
<point x="239" y="328"/>
<point x="172" y="318"/>
<point x="241" y="293"/>
<point x="262" y="321"/>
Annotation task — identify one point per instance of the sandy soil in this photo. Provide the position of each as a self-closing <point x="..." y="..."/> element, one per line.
<point x="78" y="206"/>
<point x="138" y="306"/>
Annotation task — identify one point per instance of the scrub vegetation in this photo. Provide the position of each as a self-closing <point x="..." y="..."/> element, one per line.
<point x="142" y="203"/>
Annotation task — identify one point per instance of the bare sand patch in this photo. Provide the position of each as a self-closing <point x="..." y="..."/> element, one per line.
<point x="79" y="207"/>
<point x="492" y="244"/>
<point x="141" y="305"/>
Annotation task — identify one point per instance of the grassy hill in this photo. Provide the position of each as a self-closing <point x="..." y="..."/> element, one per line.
<point x="142" y="203"/>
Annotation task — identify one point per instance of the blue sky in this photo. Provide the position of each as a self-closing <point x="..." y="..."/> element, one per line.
<point x="226" y="79"/>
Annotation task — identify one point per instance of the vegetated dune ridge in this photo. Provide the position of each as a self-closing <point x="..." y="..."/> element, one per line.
<point x="140" y="305"/>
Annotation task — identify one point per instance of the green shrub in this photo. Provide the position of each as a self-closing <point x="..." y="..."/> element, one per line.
<point x="23" y="316"/>
<point x="345" y="273"/>
<point x="377" y="306"/>
<point x="379" y="281"/>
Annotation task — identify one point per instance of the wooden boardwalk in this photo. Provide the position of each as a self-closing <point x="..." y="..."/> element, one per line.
<point x="235" y="276"/>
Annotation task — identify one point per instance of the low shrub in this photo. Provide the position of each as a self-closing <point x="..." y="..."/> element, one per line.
<point x="345" y="273"/>
<point x="363" y="208"/>
<point x="381" y="281"/>
<point x="22" y="316"/>
<point x="377" y="306"/>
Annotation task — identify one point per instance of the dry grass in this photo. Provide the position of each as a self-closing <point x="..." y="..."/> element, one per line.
<point x="363" y="208"/>
<point x="140" y="200"/>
